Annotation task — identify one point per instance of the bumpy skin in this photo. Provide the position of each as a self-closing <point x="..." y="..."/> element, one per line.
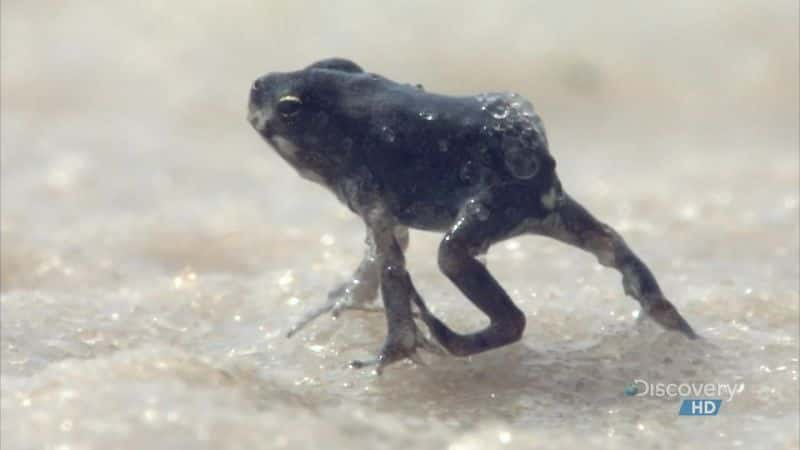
<point x="476" y="168"/>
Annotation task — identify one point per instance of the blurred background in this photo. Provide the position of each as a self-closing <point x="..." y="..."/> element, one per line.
<point x="154" y="249"/>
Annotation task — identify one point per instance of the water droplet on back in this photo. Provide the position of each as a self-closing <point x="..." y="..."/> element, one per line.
<point x="499" y="112"/>
<point x="476" y="209"/>
<point x="495" y="104"/>
<point x="521" y="161"/>
<point x="427" y="115"/>
<point x="387" y="134"/>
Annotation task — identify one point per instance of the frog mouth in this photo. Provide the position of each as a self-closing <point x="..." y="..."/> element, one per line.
<point x="259" y="119"/>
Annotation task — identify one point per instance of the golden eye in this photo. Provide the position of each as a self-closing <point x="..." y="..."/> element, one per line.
<point x="289" y="105"/>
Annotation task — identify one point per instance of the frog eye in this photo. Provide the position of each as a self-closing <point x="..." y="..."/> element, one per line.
<point x="289" y="105"/>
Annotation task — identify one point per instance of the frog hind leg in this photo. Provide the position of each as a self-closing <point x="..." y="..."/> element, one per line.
<point x="571" y="223"/>
<point x="482" y="222"/>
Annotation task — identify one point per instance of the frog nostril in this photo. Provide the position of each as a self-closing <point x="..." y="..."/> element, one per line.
<point x="257" y="85"/>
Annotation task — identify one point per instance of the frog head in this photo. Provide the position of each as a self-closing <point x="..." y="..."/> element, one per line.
<point x="303" y="115"/>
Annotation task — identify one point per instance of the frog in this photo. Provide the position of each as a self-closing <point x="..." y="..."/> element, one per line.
<point x="475" y="168"/>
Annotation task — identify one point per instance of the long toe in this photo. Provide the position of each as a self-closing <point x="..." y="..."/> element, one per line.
<point x="668" y="316"/>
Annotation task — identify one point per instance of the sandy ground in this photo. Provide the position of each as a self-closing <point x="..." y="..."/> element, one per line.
<point x="154" y="249"/>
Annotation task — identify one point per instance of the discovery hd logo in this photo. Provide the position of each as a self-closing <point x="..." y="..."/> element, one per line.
<point x="699" y="399"/>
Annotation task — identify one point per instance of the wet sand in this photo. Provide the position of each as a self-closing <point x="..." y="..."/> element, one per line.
<point x="154" y="250"/>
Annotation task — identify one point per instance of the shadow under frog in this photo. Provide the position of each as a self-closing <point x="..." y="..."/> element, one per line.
<point x="475" y="168"/>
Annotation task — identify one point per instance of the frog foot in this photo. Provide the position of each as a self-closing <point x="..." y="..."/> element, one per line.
<point x="352" y="295"/>
<point x="400" y="345"/>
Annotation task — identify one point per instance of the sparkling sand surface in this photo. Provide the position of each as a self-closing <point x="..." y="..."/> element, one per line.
<point x="155" y="250"/>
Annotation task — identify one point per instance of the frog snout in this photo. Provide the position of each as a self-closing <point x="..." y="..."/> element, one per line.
<point x="258" y="86"/>
<point x="258" y="113"/>
<point x="257" y="91"/>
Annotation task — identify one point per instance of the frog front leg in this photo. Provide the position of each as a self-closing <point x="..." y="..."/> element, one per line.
<point x="403" y="337"/>
<point x="571" y="223"/>
<point x="362" y="288"/>
<point x="357" y="293"/>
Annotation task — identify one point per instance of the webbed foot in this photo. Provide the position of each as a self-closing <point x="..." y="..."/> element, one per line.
<point x="353" y="295"/>
<point x="399" y="347"/>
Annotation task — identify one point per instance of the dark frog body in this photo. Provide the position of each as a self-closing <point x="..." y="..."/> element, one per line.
<point x="477" y="168"/>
